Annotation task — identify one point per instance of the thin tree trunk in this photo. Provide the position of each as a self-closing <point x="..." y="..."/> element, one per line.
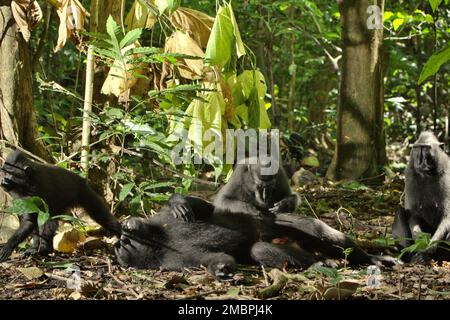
<point x="360" y="150"/>
<point x="293" y="74"/>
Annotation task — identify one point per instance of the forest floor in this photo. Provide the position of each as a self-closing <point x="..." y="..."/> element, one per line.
<point x="365" y="213"/>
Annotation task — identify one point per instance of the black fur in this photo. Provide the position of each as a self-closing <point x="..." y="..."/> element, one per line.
<point x="60" y="189"/>
<point x="245" y="204"/>
<point x="171" y="244"/>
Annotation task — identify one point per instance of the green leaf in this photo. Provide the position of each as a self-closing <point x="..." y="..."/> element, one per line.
<point x="435" y="4"/>
<point x="42" y="218"/>
<point x="130" y="38"/>
<point x="167" y="5"/>
<point x="28" y="205"/>
<point x="233" y="291"/>
<point x="222" y="39"/>
<point x="126" y="189"/>
<point x="115" y="113"/>
<point x="311" y="161"/>
<point x="253" y="110"/>
<point x="329" y="272"/>
<point x="23" y="206"/>
<point x="398" y="23"/>
<point x="354" y="186"/>
<point x="114" y="32"/>
<point x="434" y="63"/>
<point x="387" y="15"/>
<point x="240" y="48"/>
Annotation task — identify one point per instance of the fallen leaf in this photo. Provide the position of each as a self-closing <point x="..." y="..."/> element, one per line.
<point x="67" y="240"/>
<point x="31" y="272"/>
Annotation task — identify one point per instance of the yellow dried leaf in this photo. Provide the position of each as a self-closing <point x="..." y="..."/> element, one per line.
<point x="67" y="240"/>
<point x="196" y="24"/>
<point x="27" y="14"/>
<point x="71" y="16"/>
<point x="140" y="16"/>
<point x="118" y="80"/>
<point x="180" y="42"/>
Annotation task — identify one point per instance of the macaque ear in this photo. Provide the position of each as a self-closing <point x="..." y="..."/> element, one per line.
<point x="28" y="170"/>
<point x="442" y="146"/>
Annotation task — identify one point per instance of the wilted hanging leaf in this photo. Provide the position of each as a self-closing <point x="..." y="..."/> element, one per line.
<point x="222" y="40"/>
<point x="27" y="15"/>
<point x="180" y="42"/>
<point x="240" y="49"/>
<point x="225" y="41"/>
<point x="140" y="16"/>
<point x="205" y="116"/>
<point x="248" y="91"/>
<point x="71" y="15"/>
<point x="67" y="240"/>
<point x="195" y="23"/>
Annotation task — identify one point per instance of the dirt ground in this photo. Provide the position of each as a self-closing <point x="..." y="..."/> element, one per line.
<point x="365" y="214"/>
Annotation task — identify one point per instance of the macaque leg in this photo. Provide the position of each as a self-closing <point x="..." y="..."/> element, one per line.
<point x="27" y="225"/>
<point x="280" y="255"/>
<point x="401" y="229"/>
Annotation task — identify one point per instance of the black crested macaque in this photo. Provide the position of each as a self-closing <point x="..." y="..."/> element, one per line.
<point x="305" y="236"/>
<point x="257" y="186"/>
<point x="427" y="199"/>
<point x="164" y="242"/>
<point x="252" y="190"/>
<point x="244" y="204"/>
<point x="60" y="189"/>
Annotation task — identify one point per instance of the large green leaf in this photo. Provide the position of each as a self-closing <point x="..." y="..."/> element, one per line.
<point x="221" y="41"/>
<point x="435" y="4"/>
<point x="114" y="31"/>
<point x="125" y="192"/>
<point x="240" y="49"/>
<point x="434" y="63"/>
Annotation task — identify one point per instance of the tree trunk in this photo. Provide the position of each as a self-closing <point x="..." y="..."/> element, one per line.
<point x="17" y="115"/>
<point x="360" y="150"/>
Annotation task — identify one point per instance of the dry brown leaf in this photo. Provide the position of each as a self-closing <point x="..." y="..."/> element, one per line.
<point x="180" y="42"/>
<point x="71" y="16"/>
<point x="27" y="14"/>
<point x="67" y="240"/>
<point x="119" y="80"/>
<point x="196" y="24"/>
<point x="31" y="272"/>
<point x="140" y="16"/>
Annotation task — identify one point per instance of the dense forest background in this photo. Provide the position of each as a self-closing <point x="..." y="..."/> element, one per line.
<point x="297" y="46"/>
<point x="104" y="85"/>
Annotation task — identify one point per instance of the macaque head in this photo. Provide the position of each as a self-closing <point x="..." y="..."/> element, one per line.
<point x="427" y="155"/>
<point x="264" y="179"/>
<point x="16" y="172"/>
